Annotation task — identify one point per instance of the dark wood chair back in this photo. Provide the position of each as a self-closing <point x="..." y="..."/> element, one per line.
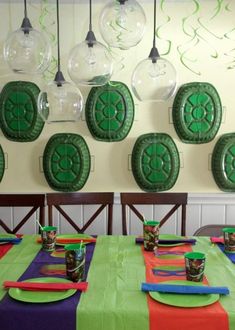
<point x="31" y="203"/>
<point x="102" y="199"/>
<point x="212" y="230"/>
<point x="174" y="199"/>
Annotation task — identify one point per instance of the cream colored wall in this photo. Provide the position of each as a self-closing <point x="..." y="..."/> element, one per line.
<point x="110" y="161"/>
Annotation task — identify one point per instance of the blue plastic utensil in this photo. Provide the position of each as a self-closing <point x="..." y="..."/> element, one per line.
<point x="15" y="240"/>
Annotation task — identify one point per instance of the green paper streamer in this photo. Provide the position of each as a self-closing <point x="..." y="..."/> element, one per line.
<point x="194" y="41"/>
<point x="231" y="52"/>
<point x="168" y="19"/>
<point x="47" y="23"/>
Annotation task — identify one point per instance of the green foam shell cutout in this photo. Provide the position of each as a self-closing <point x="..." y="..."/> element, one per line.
<point x="66" y="162"/>
<point x="110" y="112"/>
<point x="19" y="118"/>
<point x="197" y="112"/>
<point x="223" y="162"/>
<point x="155" y="162"/>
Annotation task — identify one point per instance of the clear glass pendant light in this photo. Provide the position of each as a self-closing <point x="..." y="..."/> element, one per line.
<point x="90" y="62"/>
<point x="27" y="50"/>
<point x="122" y="23"/>
<point x="60" y="100"/>
<point x="155" y="78"/>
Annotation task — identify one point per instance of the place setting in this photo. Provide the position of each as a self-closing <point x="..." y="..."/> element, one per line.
<point x="71" y="273"/>
<point x="226" y="243"/>
<point x="187" y="288"/>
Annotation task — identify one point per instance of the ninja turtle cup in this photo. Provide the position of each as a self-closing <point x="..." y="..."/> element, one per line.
<point x="229" y="239"/>
<point x="75" y="257"/>
<point x="195" y="266"/>
<point x="151" y="234"/>
<point x="48" y="235"/>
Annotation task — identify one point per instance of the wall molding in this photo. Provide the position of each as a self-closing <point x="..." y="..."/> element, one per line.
<point x="201" y="198"/>
<point x="218" y="198"/>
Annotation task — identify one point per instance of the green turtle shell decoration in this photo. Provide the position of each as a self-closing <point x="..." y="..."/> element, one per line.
<point x="197" y="112"/>
<point x="110" y="112"/>
<point x="66" y="162"/>
<point x="223" y="162"/>
<point x="155" y="162"/>
<point x="19" y="118"/>
<point x="2" y="163"/>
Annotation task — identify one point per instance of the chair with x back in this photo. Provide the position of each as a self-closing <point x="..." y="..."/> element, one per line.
<point x="174" y="200"/>
<point x="17" y="209"/>
<point x="211" y="230"/>
<point x="100" y="201"/>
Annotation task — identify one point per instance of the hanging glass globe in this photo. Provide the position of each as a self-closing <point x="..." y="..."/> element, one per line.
<point x="60" y="101"/>
<point x="154" y="80"/>
<point x="27" y="51"/>
<point x="122" y="23"/>
<point x="90" y="64"/>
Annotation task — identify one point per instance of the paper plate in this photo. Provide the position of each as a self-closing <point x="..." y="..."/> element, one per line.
<point x="184" y="300"/>
<point x="6" y="236"/>
<point x="41" y="296"/>
<point x="170" y="236"/>
<point x="72" y="236"/>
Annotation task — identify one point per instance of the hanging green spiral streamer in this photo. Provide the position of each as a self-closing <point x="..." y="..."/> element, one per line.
<point x="161" y="26"/>
<point x="48" y="25"/>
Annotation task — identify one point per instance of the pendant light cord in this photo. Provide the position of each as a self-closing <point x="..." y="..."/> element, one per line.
<point x="58" y="33"/>
<point x="90" y="16"/>
<point x="154" y="24"/>
<point x="25" y="9"/>
<point x="59" y="78"/>
<point x="154" y="55"/>
<point x="90" y="38"/>
<point x="26" y="25"/>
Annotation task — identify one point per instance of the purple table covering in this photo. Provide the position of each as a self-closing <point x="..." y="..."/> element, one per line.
<point x="61" y="315"/>
<point x="231" y="256"/>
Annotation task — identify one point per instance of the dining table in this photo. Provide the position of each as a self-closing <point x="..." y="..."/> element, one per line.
<point x="116" y="268"/>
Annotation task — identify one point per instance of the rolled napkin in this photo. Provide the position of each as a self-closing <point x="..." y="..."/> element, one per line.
<point x="75" y="240"/>
<point x="184" y="289"/>
<point x="37" y="286"/>
<point x="11" y="240"/>
<point x="140" y="240"/>
<point x="217" y="240"/>
<point x="71" y="240"/>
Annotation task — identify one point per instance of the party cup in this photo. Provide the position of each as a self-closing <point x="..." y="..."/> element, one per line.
<point x="48" y="235"/>
<point x="75" y="257"/>
<point x="151" y="235"/>
<point x="229" y="239"/>
<point x="195" y="266"/>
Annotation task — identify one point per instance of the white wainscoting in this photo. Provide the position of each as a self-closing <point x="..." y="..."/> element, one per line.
<point x="202" y="209"/>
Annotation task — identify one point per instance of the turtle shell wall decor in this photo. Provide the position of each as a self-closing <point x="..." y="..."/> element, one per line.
<point x="2" y="163"/>
<point x="197" y="112"/>
<point x="223" y="162"/>
<point x="19" y="118"/>
<point x="155" y="162"/>
<point x="110" y="112"/>
<point x="66" y="162"/>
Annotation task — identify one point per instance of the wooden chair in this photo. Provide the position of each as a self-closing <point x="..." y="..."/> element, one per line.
<point x="175" y="199"/>
<point x="211" y="230"/>
<point x="31" y="203"/>
<point x="104" y="199"/>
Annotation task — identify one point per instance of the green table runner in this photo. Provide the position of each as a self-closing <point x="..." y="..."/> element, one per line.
<point x="114" y="299"/>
